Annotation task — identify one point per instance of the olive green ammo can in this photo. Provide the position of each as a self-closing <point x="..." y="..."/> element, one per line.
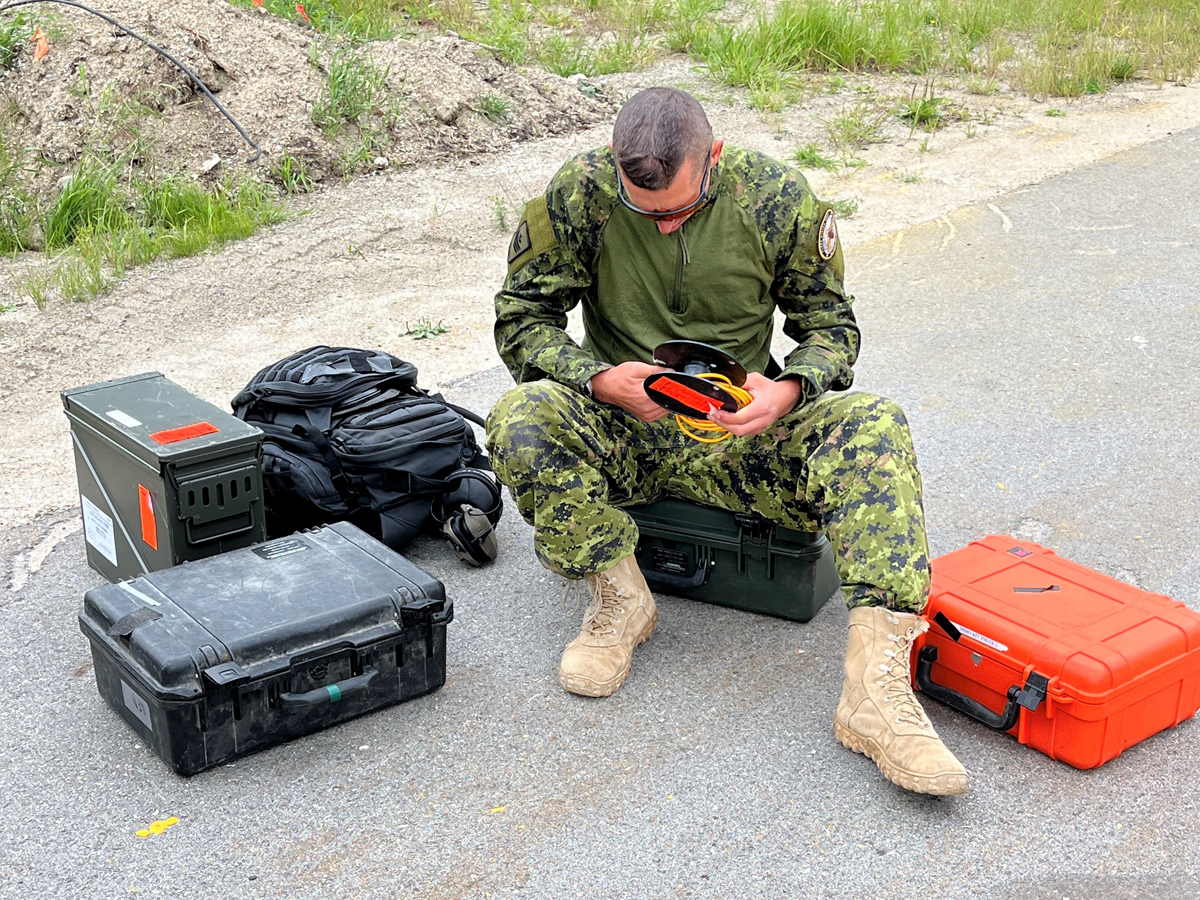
<point x="164" y="477"/>
<point x="734" y="560"/>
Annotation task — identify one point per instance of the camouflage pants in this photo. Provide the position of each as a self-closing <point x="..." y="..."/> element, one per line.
<point x="843" y="464"/>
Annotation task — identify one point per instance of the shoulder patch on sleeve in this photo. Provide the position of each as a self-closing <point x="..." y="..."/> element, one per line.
<point x="827" y="239"/>
<point x="533" y="236"/>
<point x="520" y="242"/>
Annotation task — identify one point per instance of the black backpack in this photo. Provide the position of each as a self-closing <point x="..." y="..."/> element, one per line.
<point x="349" y="435"/>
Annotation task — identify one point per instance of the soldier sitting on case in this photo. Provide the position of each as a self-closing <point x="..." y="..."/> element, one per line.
<point x="669" y="234"/>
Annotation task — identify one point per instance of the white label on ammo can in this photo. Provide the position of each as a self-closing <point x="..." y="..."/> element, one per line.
<point x="995" y="645"/>
<point x="136" y="704"/>
<point x="98" y="530"/>
<point x="123" y="417"/>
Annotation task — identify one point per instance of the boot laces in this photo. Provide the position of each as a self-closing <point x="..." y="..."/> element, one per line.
<point x="572" y="598"/>
<point x="606" y="608"/>
<point x="895" y="680"/>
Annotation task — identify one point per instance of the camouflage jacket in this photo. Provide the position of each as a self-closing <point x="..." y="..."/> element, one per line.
<point x="762" y="241"/>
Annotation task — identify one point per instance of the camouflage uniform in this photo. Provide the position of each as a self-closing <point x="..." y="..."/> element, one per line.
<point x="841" y="463"/>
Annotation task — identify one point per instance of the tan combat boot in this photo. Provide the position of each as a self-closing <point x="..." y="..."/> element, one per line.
<point x="620" y="616"/>
<point x="878" y="714"/>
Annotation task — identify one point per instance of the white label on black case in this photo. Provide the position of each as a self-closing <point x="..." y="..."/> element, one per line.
<point x="98" y="530"/>
<point x="136" y="704"/>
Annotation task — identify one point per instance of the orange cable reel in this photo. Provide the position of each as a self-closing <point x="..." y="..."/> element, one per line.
<point x="704" y="378"/>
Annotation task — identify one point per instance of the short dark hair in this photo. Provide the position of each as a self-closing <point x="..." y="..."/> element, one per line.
<point x="656" y="130"/>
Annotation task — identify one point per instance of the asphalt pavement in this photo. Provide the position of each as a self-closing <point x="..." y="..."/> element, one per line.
<point x="1047" y="348"/>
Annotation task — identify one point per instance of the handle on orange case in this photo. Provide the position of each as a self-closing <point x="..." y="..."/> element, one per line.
<point x="1030" y="696"/>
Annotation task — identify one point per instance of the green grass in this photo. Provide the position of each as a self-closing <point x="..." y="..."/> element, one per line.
<point x="14" y="33"/>
<point x="354" y="88"/>
<point x="424" y="329"/>
<point x="857" y="126"/>
<point x="98" y="226"/>
<point x="773" y="93"/>
<point x="89" y="201"/>
<point x="494" y="107"/>
<point x="356" y="20"/>
<point x="500" y="213"/>
<point x="1057" y="47"/>
<point x="356" y="95"/>
<point x="17" y="205"/>
<point x="924" y="112"/>
<point x="810" y="157"/>
<point x="801" y="36"/>
<point x="1076" y="47"/>
<point x="983" y="87"/>
<point x="569" y="55"/>
<point x="109" y="210"/>
<point x="689" y="22"/>
<point x="291" y="174"/>
<point x="847" y="207"/>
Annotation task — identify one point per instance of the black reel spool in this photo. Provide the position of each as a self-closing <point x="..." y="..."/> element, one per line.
<point x="683" y="391"/>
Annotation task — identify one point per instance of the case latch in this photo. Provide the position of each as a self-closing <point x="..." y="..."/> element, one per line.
<point x="754" y="534"/>
<point x="420" y="610"/>
<point x="1034" y="692"/>
<point x="225" y="673"/>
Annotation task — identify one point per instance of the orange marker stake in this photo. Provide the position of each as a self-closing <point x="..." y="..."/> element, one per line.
<point x="42" y="46"/>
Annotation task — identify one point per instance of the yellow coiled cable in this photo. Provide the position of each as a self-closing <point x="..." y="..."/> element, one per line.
<point x="711" y="432"/>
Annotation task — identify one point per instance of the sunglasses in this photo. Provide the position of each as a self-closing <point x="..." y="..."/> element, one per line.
<point x="668" y="215"/>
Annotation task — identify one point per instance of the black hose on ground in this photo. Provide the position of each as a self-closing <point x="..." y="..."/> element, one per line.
<point x="157" y="49"/>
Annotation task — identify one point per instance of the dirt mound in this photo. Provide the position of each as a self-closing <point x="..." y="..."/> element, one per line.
<point x="99" y="89"/>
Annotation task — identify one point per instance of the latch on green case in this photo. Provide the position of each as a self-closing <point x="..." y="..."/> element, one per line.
<point x="753" y="536"/>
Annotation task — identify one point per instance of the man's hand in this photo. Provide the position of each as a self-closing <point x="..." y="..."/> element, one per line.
<point x="622" y="386"/>
<point x="772" y="400"/>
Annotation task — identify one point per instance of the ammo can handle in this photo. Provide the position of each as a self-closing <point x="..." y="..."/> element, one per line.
<point x="655" y="578"/>
<point x="1029" y="697"/>
<point x="331" y="693"/>
<point x="242" y="529"/>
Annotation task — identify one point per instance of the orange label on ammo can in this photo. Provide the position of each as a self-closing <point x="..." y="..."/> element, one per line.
<point x="149" y="525"/>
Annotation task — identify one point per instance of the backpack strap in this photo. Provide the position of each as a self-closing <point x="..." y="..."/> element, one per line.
<point x="467" y="414"/>
<point x="337" y="474"/>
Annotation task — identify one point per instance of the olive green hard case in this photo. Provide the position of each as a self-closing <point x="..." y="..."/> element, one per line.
<point x="734" y="560"/>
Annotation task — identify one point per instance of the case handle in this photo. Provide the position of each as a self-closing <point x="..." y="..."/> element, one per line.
<point x="699" y="578"/>
<point x="331" y="693"/>
<point x="1030" y="696"/>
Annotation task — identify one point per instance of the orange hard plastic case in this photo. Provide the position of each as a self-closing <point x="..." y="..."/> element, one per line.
<point x="1071" y="662"/>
